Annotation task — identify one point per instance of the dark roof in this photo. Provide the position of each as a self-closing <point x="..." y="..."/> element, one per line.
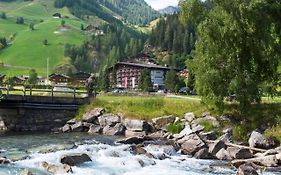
<point x="60" y="75"/>
<point x="149" y="66"/>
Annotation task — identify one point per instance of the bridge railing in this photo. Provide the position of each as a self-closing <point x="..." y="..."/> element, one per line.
<point x="44" y="92"/>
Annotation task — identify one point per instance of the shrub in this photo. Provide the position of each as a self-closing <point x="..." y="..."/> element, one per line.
<point x="175" y="128"/>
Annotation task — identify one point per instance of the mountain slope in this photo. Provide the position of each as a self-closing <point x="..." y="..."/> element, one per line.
<point x="26" y="49"/>
<point x="169" y="10"/>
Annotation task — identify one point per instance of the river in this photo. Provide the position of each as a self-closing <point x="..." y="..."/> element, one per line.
<point x="109" y="158"/>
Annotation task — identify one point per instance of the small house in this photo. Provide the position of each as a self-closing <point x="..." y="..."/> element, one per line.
<point x="80" y="78"/>
<point x="57" y="15"/>
<point x="59" y="79"/>
<point x="90" y="29"/>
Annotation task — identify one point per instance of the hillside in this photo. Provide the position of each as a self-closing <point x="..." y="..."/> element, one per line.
<point x="26" y="49"/>
<point x="169" y="10"/>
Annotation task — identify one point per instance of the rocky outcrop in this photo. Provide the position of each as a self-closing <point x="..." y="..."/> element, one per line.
<point x="75" y="159"/>
<point x="136" y="125"/>
<point x="56" y="169"/>
<point x="247" y="169"/>
<point x="163" y="121"/>
<point x="134" y="140"/>
<point x="92" y="116"/>
<point x="4" y="161"/>
<point x="118" y="129"/>
<point x="239" y="153"/>
<point x="257" y="140"/>
<point x="109" y="120"/>
<point x="192" y="144"/>
<point x="95" y="129"/>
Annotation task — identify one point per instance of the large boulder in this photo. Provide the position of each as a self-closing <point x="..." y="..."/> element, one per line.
<point x="118" y="129"/>
<point x="202" y="154"/>
<point x="109" y="120"/>
<point x="136" y="125"/>
<point x="216" y="147"/>
<point x="222" y="154"/>
<point x="267" y="161"/>
<point x="185" y="132"/>
<point x="56" y="169"/>
<point x="163" y="121"/>
<point x="247" y="169"/>
<point x="129" y="133"/>
<point x="77" y="127"/>
<point x="66" y="128"/>
<point x="134" y="140"/>
<point x="138" y="150"/>
<point x="75" y="159"/>
<point x="92" y="116"/>
<point x="257" y="140"/>
<point x="4" y="161"/>
<point x="206" y="136"/>
<point x="192" y="144"/>
<point x="95" y="129"/>
<point x="240" y="153"/>
<point x="189" y="117"/>
<point x="272" y="142"/>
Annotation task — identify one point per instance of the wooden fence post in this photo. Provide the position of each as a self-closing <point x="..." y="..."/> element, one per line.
<point x="30" y="90"/>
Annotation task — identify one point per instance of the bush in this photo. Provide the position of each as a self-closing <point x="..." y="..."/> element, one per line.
<point x="175" y="128"/>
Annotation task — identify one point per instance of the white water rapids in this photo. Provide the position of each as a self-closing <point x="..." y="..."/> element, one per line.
<point x="109" y="159"/>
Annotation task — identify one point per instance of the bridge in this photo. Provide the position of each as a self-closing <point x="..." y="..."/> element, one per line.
<point x="30" y="109"/>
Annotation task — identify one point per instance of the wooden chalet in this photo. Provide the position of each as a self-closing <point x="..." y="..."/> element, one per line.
<point x="59" y="79"/>
<point x="80" y="78"/>
<point x="57" y="15"/>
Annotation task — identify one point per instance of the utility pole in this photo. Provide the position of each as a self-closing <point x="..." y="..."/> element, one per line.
<point x="47" y="70"/>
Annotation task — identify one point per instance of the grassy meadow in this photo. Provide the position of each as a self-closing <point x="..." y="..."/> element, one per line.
<point x="26" y="49"/>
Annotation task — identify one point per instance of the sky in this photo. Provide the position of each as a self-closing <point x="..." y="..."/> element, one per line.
<point x="160" y="4"/>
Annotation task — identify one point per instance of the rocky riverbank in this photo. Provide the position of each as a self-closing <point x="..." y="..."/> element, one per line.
<point x="192" y="140"/>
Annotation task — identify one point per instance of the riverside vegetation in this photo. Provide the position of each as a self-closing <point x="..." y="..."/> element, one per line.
<point x="202" y="136"/>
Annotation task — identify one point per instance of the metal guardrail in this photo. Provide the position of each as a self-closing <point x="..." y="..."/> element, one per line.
<point x="29" y="91"/>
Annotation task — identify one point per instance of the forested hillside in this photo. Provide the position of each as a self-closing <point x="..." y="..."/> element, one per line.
<point x="135" y="12"/>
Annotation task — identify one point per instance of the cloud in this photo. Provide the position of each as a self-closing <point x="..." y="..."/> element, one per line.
<point x="160" y="4"/>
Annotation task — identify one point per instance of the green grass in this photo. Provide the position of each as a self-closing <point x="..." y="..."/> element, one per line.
<point x="148" y="107"/>
<point x="145" y="107"/>
<point x="27" y="49"/>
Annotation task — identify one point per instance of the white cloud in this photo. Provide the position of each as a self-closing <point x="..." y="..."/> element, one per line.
<point x="160" y="4"/>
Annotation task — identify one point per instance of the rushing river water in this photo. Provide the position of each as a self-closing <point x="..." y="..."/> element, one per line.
<point x="108" y="158"/>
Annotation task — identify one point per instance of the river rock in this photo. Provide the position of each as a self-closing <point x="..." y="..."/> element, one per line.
<point x="66" y="128"/>
<point x="257" y="140"/>
<point x="272" y="142"/>
<point x="216" y="147"/>
<point x="134" y="140"/>
<point x="192" y="144"/>
<point x="222" y="154"/>
<point x="72" y="121"/>
<point x="196" y="128"/>
<point x="4" y="161"/>
<point x="109" y="120"/>
<point x="56" y="169"/>
<point x="267" y="161"/>
<point x="163" y="121"/>
<point x="95" y="129"/>
<point x="75" y="159"/>
<point x="129" y="133"/>
<point x="185" y="132"/>
<point x="208" y="135"/>
<point x="189" y="117"/>
<point x="92" y="116"/>
<point x="77" y="127"/>
<point x="3" y="126"/>
<point x="157" y="134"/>
<point x="118" y="129"/>
<point x="138" y="150"/>
<point x="239" y="153"/>
<point x="136" y="125"/>
<point x="247" y="169"/>
<point x="202" y="154"/>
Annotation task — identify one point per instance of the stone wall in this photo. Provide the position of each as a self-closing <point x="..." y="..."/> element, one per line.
<point x="33" y="119"/>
